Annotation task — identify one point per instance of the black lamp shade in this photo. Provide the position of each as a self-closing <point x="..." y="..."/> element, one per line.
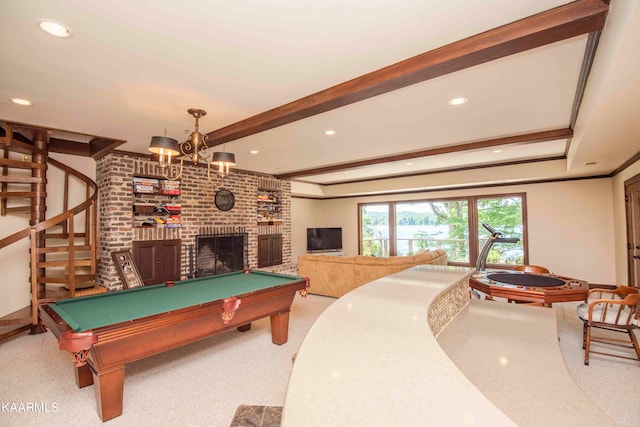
<point x="164" y="144"/>
<point x="224" y="157"/>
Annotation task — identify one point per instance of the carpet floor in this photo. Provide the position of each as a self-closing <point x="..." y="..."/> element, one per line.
<point x="204" y="383"/>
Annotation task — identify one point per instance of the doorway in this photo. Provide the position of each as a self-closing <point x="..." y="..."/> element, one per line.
<point x="632" y="208"/>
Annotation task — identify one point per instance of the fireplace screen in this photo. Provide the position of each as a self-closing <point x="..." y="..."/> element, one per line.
<point x="220" y="253"/>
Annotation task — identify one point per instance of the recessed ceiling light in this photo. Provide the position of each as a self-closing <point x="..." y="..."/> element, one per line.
<point x="458" y="101"/>
<point x="54" y="28"/>
<point x="329" y="132"/>
<point x="21" y="101"/>
<point x="497" y="151"/>
<point x="254" y="151"/>
<point x="409" y="163"/>
<point x="346" y="172"/>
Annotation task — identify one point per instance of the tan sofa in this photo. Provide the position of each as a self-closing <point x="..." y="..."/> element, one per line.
<point x="334" y="276"/>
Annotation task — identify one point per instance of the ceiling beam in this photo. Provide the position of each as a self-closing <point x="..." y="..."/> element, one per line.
<point x="64" y="146"/>
<point x="100" y="147"/>
<point x="527" y="138"/>
<point x="560" y="23"/>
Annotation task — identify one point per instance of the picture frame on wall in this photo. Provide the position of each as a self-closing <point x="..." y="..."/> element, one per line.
<point x="127" y="269"/>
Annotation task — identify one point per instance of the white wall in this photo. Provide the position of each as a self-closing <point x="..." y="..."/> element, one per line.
<point x="308" y="213"/>
<point x="14" y="259"/>
<point x="570" y="224"/>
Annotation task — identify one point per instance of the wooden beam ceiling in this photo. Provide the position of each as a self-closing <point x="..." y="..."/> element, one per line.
<point x="560" y="23"/>
<point x="551" y="135"/>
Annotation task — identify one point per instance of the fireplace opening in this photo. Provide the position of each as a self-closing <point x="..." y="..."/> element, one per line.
<point x="221" y="253"/>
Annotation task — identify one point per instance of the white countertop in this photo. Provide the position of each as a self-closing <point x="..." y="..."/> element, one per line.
<point x="511" y="354"/>
<point x="371" y="359"/>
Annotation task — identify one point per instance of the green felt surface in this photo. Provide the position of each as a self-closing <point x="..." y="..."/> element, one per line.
<point x="94" y="311"/>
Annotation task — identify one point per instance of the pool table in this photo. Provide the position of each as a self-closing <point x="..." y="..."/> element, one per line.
<point x="106" y="331"/>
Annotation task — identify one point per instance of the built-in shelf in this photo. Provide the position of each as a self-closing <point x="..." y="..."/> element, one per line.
<point x="156" y="202"/>
<point x="269" y="220"/>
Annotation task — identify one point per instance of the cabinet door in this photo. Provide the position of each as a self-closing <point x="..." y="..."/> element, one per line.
<point x="171" y="260"/>
<point x="269" y="250"/>
<point x="158" y="261"/>
<point x="146" y="258"/>
<point x="275" y="244"/>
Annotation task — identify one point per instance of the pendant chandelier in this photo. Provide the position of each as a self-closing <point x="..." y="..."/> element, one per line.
<point x="195" y="149"/>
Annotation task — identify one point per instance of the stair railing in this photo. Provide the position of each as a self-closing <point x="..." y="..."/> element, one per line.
<point x="66" y="221"/>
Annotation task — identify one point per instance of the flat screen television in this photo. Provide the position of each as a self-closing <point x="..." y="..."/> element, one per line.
<point x="324" y="239"/>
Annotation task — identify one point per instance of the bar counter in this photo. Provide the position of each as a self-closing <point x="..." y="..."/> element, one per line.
<point x="373" y="358"/>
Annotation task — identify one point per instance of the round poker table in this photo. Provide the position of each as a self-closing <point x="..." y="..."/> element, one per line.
<point x="533" y="288"/>
<point x="535" y="280"/>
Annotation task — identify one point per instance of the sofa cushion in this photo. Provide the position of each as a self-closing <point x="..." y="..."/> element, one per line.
<point x="369" y="260"/>
<point x="400" y="260"/>
<point x="328" y="258"/>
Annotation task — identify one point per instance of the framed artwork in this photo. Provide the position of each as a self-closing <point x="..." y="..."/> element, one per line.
<point x="127" y="269"/>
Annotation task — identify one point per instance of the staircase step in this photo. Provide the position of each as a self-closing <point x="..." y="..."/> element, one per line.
<point x="64" y="236"/>
<point x="15" y="323"/>
<point x="21" y="164"/>
<point x="64" y="263"/>
<point x="19" y="209"/>
<point x="51" y="295"/>
<point x="58" y="249"/>
<point x="17" y="194"/>
<point x="9" y="331"/>
<point x="15" y="179"/>
<point x="81" y="278"/>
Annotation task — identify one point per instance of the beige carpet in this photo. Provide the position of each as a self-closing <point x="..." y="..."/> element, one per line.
<point x="613" y="383"/>
<point x="203" y="384"/>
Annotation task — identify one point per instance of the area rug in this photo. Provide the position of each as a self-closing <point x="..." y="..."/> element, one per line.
<point x="257" y="416"/>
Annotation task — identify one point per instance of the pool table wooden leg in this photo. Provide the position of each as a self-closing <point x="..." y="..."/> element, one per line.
<point x="109" y="389"/>
<point x="84" y="376"/>
<point x="280" y="328"/>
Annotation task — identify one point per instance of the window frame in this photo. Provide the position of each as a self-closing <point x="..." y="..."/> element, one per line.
<point x="472" y="205"/>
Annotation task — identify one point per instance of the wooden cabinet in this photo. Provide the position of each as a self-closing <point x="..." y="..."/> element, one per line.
<point x="158" y="261"/>
<point x="269" y="250"/>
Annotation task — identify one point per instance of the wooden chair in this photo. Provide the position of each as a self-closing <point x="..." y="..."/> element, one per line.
<point x="533" y="269"/>
<point x="616" y="310"/>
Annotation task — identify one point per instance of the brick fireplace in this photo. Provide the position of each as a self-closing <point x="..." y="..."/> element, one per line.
<point x="114" y="176"/>
<point x="220" y="253"/>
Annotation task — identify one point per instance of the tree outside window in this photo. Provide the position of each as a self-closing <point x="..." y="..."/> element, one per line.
<point x="503" y="214"/>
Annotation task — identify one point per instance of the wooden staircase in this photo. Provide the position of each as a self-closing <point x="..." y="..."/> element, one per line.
<point x="62" y="249"/>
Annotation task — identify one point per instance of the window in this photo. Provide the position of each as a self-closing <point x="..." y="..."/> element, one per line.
<point x="433" y="225"/>
<point x="505" y="215"/>
<point x="455" y="225"/>
<point x="374" y="230"/>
